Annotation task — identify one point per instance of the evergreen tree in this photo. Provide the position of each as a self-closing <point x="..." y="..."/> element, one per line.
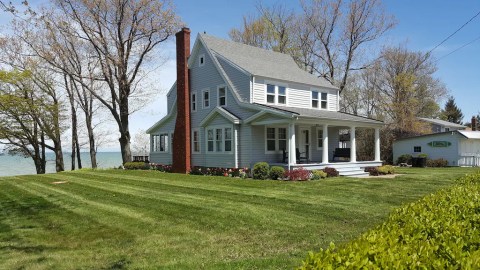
<point x="451" y="112"/>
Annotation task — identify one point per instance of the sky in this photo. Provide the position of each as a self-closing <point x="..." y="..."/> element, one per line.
<point x="421" y="25"/>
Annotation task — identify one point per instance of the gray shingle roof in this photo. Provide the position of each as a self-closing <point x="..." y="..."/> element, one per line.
<point x="441" y="122"/>
<point x="323" y="114"/>
<point x="261" y="62"/>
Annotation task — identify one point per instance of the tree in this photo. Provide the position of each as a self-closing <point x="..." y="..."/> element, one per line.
<point x="141" y="142"/>
<point x="451" y="112"/>
<point x="123" y="35"/>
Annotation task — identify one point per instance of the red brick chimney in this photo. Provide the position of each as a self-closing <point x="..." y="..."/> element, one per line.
<point x="474" y="123"/>
<point x="181" y="138"/>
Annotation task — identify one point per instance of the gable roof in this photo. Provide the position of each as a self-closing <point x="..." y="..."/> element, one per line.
<point x="441" y="122"/>
<point x="324" y="114"/>
<point x="262" y="62"/>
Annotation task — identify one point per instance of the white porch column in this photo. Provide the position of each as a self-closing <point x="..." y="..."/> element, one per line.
<point x="325" y="144"/>
<point x="377" y="144"/>
<point x="353" y="146"/>
<point x="292" y="156"/>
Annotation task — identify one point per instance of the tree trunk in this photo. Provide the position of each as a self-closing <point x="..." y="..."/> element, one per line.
<point x="124" y="131"/>
<point x="79" y="158"/>
<point x="91" y="140"/>
<point x="44" y="158"/>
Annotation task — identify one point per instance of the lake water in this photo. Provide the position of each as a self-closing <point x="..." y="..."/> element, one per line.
<point x="16" y="165"/>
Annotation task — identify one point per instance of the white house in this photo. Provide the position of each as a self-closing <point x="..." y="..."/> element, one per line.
<point x="459" y="147"/>
<point x="234" y="105"/>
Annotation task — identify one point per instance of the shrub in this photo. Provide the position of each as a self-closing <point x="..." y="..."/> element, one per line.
<point x="331" y="172"/>
<point x="373" y="171"/>
<point x="214" y="171"/>
<point x="162" y="167"/>
<point x="386" y="169"/>
<point x="318" y="174"/>
<point x="437" y="162"/>
<point x="422" y="155"/>
<point x="406" y="158"/>
<point x="261" y="170"/>
<point x="439" y="231"/>
<point x="299" y="174"/>
<point x="136" y="166"/>
<point x="276" y="172"/>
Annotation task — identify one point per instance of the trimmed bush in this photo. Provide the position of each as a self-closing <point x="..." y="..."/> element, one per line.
<point x="331" y="172"/>
<point x="299" y="174"/>
<point x="276" y="172"/>
<point x="136" y="166"/>
<point x="406" y="158"/>
<point x="439" y="231"/>
<point x="261" y="170"/>
<point x="437" y="162"/>
<point x="214" y="171"/>
<point x="318" y="174"/>
<point x="386" y="169"/>
<point x="373" y="171"/>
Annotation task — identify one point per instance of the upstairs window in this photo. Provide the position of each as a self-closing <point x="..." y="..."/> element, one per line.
<point x="193" y="106"/>
<point x="319" y="100"/>
<point x="314" y="99"/>
<point x="201" y="60"/>
<point x="276" y="94"/>
<point x="324" y="100"/>
<point x="222" y="99"/>
<point x="206" y="99"/>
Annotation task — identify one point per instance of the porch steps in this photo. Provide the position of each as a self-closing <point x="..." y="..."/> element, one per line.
<point x="352" y="171"/>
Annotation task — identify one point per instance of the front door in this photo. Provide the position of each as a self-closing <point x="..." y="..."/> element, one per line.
<point x="304" y="143"/>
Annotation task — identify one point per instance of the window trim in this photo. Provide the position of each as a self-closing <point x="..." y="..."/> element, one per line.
<point x="276" y="86"/>
<point x="218" y="95"/>
<point x="169" y="143"/>
<point x="200" y="57"/>
<point x="319" y="100"/>
<point x="203" y="98"/>
<point x="415" y="148"/>
<point x="214" y="129"/>
<point x="199" y="139"/>
<point x="319" y="138"/>
<point x="277" y="139"/>
<point x="315" y="99"/>
<point x="194" y="93"/>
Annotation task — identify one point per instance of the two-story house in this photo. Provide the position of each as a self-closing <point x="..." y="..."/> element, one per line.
<point x="234" y="105"/>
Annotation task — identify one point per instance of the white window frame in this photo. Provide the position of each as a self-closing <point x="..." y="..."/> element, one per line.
<point x="315" y="99"/>
<point x="277" y="139"/>
<point x="193" y="94"/>
<point x="200" y="57"/>
<point x="323" y="100"/>
<point x="276" y="86"/>
<point x="167" y="144"/>
<point x="203" y="98"/>
<point x="218" y="95"/>
<point x="197" y="141"/>
<point x="319" y="138"/>
<point x="222" y="128"/>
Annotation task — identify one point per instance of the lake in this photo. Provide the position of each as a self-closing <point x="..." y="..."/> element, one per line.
<point x="17" y="165"/>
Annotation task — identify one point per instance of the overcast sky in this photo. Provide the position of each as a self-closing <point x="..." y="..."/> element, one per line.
<point x="421" y="26"/>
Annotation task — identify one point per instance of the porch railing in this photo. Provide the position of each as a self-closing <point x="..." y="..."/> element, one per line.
<point x="469" y="161"/>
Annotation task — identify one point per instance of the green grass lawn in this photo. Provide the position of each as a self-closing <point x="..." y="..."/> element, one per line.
<point x="116" y="219"/>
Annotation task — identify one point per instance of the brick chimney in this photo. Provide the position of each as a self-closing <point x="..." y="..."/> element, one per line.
<point x="474" y="123"/>
<point x="181" y="139"/>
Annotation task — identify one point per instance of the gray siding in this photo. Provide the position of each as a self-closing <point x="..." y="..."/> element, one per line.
<point x="171" y="97"/>
<point x="240" y="80"/>
<point x="167" y="127"/>
<point x="449" y="153"/>
<point x="333" y="140"/>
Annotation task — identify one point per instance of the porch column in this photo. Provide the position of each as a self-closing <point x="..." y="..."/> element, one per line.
<point x="377" y="144"/>
<point x="292" y="156"/>
<point x="353" y="146"/>
<point x="325" y="144"/>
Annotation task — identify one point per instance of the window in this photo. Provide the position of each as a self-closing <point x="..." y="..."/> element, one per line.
<point x="193" y="107"/>
<point x="210" y="140"/>
<point x="160" y="143"/>
<point x="324" y="100"/>
<point x="417" y="149"/>
<point x="319" y="138"/>
<point x="447" y="129"/>
<point x="314" y="99"/>
<point x="222" y="99"/>
<point x="270" y="139"/>
<point x="219" y="139"/>
<point x="276" y="139"/>
<point x="201" y="60"/>
<point x="196" y="141"/>
<point x="270" y="93"/>
<point x="276" y="94"/>
<point x="206" y="99"/>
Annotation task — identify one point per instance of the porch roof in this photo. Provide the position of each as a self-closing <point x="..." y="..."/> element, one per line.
<point x="324" y="114"/>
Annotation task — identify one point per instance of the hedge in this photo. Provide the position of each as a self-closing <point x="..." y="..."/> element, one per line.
<point x="440" y="231"/>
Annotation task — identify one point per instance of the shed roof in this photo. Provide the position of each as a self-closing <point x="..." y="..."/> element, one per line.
<point x="441" y="122"/>
<point x="262" y="62"/>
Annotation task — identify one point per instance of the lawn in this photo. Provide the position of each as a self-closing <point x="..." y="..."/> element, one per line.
<point x="116" y="219"/>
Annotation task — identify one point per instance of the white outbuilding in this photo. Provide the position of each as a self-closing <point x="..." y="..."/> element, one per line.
<point x="459" y="147"/>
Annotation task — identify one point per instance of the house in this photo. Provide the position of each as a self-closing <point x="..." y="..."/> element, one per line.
<point x="234" y="105"/>
<point x="458" y="147"/>
<point x="438" y="125"/>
